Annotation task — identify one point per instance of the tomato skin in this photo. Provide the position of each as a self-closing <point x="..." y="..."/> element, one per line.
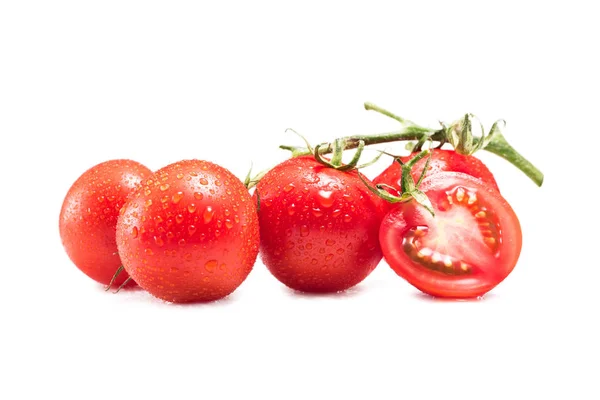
<point x="319" y="226"/>
<point x="191" y="234"/>
<point x="484" y="237"/>
<point x="441" y="160"/>
<point x="88" y="217"/>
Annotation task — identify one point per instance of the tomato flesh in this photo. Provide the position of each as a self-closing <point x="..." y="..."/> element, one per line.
<point x="469" y="247"/>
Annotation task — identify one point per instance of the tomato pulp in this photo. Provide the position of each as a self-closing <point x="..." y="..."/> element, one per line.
<point x="470" y="246"/>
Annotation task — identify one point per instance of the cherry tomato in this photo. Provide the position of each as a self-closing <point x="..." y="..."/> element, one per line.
<point x="441" y="160"/>
<point x="89" y="213"/>
<point x="319" y="226"/>
<point x="191" y="234"/>
<point x="469" y="247"/>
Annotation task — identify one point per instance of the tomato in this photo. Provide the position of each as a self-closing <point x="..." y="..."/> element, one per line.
<point x="191" y="234"/>
<point x="469" y="247"/>
<point x="441" y="160"/>
<point x="89" y="213"/>
<point x="319" y="226"/>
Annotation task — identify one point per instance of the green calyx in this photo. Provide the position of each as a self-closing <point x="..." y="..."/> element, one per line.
<point x="409" y="189"/>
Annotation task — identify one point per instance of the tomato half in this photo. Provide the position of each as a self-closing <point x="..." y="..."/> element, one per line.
<point x="441" y="160"/>
<point x="469" y="247"/>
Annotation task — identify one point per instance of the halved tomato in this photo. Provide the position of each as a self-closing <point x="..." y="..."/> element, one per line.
<point x="470" y="246"/>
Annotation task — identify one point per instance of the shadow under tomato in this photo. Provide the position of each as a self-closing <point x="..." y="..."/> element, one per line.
<point x="427" y="297"/>
<point x="348" y="293"/>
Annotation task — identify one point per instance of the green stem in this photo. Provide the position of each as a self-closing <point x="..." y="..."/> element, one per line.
<point x="499" y="146"/>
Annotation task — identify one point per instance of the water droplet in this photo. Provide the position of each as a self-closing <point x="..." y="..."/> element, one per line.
<point x="317" y="212"/>
<point x="101" y="199"/>
<point x="192" y="208"/>
<point x="181" y="242"/>
<point x="148" y="252"/>
<point x="147" y="192"/>
<point x="314" y="261"/>
<point x="179" y="218"/>
<point x="193" y="173"/>
<point x="330" y="242"/>
<point x="177" y="197"/>
<point x="227" y="212"/>
<point x="148" y="203"/>
<point x="211" y="265"/>
<point x="206" y="279"/>
<point x="204" y="181"/>
<point x="179" y="175"/>
<point x="217" y="233"/>
<point x="219" y="223"/>
<point x="290" y="244"/>
<point x="228" y="224"/>
<point x="326" y="198"/>
<point x="336" y="213"/>
<point x="292" y="209"/>
<point x="134" y="232"/>
<point x="328" y="257"/>
<point x="222" y="267"/>
<point x="159" y="241"/>
<point x="340" y="251"/>
<point x="107" y="210"/>
<point x="288" y="232"/>
<point x="304" y="231"/>
<point x="347" y="218"/>
<point x="191" y="229"/>
<point x="208" y="214"/>
<point x="218" y="182"/>
<point x="149" y="182"/>
<point x="198" y="196"/>
<point x="236" y="218"/>
<point x="170" y="235"/>
<point x="164" y="199"/>
<point x="164" y="187"/>
<point x="308" y="246"/>
<point x="289" y="188"/>
<point x="188" y="256"/>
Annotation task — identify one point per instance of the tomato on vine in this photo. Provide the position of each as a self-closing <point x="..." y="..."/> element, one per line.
<point x="319" y="226"/>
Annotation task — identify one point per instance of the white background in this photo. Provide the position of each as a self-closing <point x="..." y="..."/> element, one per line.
<point x="84" y="82"/>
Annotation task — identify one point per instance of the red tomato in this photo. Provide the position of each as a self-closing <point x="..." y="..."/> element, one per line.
<point x="441" y="160"/>
<point x="190" y="234"/>
<point x="89" y="213"/>
<point x="319" y="226"/>
<point x="468" y="248"/>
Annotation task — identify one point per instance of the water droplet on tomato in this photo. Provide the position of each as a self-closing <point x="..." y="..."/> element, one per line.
<point x="308" y="246"/>
<point x="304" y="231"/>
<point x="288" y="188"/>
<point x="336" y="213"/>
<point x="329" y="257"/>
<point x="181" y="242"/>
<point x="236" y="218"/>
<point x="203" y="181"/>
<point x="317" y="212"/>
<point x="159" y="241"/>
<point x="330" y="242"/>
<point x="228" y="224"/>
<point x="211" y="265"/>
<point x="164" y="187"/>
<point x="192" y="208"/>
<point x="314" y="261"/>
<point x="290" y="244"/>
<point x="164" y="199"/>
<point x="101" y="199"/>
<point x="198" y="196"/>
<point x="148" y="203"/>
<point x="134" y="232"/>
<point x="176" y="198"/>
<point x="179" y="218"/>
<point x="208" y="214"/>
<point x="147" y="192"/>
<point x="179" y="175"/>
<point x="340" y="251"/>
<point x="217" y="233"/>
<point x="218" y="182"/>
<point x="326" y="198"/>
<point x="188" y="256"/>
<point x="347" y="218"/>
<point x="191" y="229"/>
<point x="292" y="209"/>
<point x="148" y="252"/>
<point x="170" y="235"/>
